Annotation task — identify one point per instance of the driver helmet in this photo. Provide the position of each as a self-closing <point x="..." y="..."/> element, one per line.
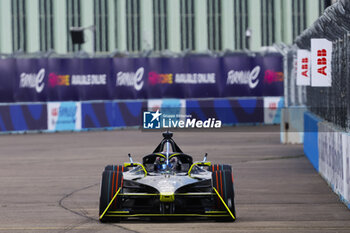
<point x="161" y="165"/>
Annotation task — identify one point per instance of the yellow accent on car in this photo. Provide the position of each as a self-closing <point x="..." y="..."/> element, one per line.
<point x="215" y="212"/>
<point x="228" y="209"/>
<point x="167" y="197"/>
<point x="167" y="215"/>
<point x="119" y="212"/>
<point x="160" y="155"/>
<point x="136" y="164"/>
<point x="176" y="194"/>
<point x="173" y="155"/>
<point x="115" y="195"/>
<point x="198" y="164"/>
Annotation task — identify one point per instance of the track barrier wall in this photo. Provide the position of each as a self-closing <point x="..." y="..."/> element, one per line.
<point x="323" y="98"/>
<point x="78" y="116"/>
<point x="58" y="94"/>
<point x="328" y="149"/>
<point x="23" y="117"/>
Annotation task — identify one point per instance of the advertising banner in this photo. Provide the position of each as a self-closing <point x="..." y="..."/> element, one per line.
<point x="59" y="86"/>
<point x="203" y="77"/>
<point x="93" y="78"/>
<point x="271" y="73"/>
<point x="78" y="79"/>
<point x="331" y="156"/>
<point x="164" y="78"/>
<point x="129" y="78"/>
<point x="243" y="110"/>
<point x="97" y="115"/>
<point x="7" y="76"/>
<point x="64" y="116"/>
<point x="170" y="108"/>
<point x="19" y="117"/>
<point x="321" y="60"/>
<point x="311" y="138"/>
<point x="346" y="166"/>
<point x="272" y="110"/>
<point x="241" y="76"/>
<point x="195" y="76"/>
<point x="128" y="113"/>
<point x="303" y="67"/>
<point x="30" y="79"/>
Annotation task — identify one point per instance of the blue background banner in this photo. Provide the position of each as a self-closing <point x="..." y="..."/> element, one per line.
<point x="97" y="115"/>
<point x="229" y="111"/>
<point x="23" y="117"/>
<point x="112" y="114"/>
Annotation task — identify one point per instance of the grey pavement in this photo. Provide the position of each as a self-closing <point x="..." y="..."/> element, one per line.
<point x="50" y="182"/>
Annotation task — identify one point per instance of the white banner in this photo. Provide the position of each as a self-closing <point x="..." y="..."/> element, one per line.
<point x="346" y="165"/>
<point x="173" y="108"/>
<point x="303" y="68"/>
<point x="330" y="147"/>
<point x="272" y="110"/>
<point x="64" y="116"/>
<point x="321" y="60"/>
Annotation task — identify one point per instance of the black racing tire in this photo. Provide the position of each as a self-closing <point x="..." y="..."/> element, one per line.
<point x="222" y="181"/>
<point x="220" y="167"/>
<point x="111" y="182"/>
<point x="117" y="168"/>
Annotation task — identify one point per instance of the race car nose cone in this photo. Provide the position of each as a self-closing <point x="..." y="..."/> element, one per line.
<point x="167" y="197"/>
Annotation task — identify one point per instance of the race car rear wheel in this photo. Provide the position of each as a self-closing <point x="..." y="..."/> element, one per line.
<point x="111" y="182"/>
<point x="117" y="168"/>
<point x="223" y="183"/>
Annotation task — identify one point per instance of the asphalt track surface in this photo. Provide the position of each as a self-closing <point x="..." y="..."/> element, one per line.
<point x="50" y="182"/>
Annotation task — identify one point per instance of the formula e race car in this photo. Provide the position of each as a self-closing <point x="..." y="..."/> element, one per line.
<point x="167" y="184"/>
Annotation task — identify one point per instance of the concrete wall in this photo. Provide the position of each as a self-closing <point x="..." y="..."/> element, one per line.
<point x="292" y="125"/>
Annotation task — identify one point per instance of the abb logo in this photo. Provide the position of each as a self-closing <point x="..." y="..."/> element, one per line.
<point x="321" y="70"/>
<point x="54" y="112"/>
<point x="322" y="61"/>
<point x="273" y="106"/>
<point x="305" y="67"/>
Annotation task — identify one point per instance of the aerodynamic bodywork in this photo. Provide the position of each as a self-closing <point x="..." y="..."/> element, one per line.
<point x="167" y="184"/>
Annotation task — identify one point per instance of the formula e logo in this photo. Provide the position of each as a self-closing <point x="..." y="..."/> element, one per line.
<point x="33" y="80"/>
<point x="151" y="120"/>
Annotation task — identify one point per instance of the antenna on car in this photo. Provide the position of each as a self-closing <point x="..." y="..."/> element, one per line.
<point x="131" y="161"/>
<point x="205" y="157"/>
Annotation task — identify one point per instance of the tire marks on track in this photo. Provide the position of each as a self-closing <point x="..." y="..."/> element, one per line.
<point x="83" y="212"/>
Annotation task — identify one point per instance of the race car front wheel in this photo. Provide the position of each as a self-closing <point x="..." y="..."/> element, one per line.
<point x="220" y="167"/>
<point x="223" y="183"/>
<point x="116" y="168"/>
<point x="110" y="184"/>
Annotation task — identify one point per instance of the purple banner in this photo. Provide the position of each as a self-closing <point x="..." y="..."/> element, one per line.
<point x="195" y="76"/>
<point x="79" y="79"/>
<point x="7" y="76"/>
<point x="241" y="76"/>
<point x="271" y="74"/>
<point x="128" y="78"/>
<point x="203" y="76"/>
<point x="30" y="80"/>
